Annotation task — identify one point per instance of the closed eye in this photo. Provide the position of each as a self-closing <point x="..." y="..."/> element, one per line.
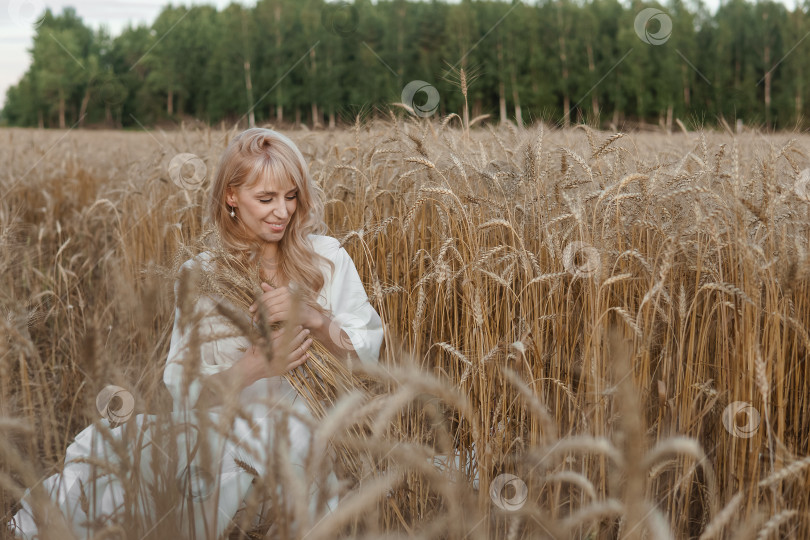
<point x="289" y="198"/>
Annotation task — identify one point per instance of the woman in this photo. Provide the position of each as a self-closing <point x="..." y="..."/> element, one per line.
<point x="266" y="213"/>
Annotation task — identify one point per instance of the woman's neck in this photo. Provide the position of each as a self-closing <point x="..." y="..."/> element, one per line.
<point x="273" y="275"/>
<point x="269" y="255"/>
<point x="271" y="269"/>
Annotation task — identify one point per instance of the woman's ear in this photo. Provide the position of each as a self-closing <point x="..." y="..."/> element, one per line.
<point x="230" y="198"/>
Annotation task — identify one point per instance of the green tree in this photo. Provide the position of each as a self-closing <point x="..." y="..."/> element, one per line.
<point x="552" y="59"/>
<point x="231" y="63"/>
<point x="60" y="61"/>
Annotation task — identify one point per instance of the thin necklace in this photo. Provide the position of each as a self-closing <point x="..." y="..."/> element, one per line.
<point x="271" y="275"/>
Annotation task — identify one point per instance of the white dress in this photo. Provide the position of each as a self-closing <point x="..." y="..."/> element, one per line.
<point x="92" y="496"/>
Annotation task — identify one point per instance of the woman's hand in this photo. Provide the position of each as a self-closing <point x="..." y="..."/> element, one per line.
<point x="288" y="354"/>
<point x="279" y="306"/>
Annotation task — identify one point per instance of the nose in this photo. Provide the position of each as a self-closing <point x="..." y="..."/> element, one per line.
<point x="280" y="209"/>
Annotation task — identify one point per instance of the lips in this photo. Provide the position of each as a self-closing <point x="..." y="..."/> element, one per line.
<point x="276" y="226"/>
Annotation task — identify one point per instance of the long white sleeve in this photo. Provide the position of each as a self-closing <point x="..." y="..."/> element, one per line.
<point x="350" y="306"/>
<point x="216" y="347"/>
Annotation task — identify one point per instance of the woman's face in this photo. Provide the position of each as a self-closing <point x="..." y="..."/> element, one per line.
<point x="265" y="207"/>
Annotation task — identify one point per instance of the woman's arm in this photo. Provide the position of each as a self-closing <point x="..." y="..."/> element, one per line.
<point x="255" y="365"/>
<point x="195" y="351"/>
<point x="217" y="386"/>
<point x="206" y="347"/>
<point x="279" y="306"/>
<point x="354" y="329"/>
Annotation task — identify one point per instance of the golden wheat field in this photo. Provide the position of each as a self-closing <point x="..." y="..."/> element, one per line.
<point x="588" y="334"/>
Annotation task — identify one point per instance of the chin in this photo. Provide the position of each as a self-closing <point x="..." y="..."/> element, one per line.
<point x="272" y="237"/>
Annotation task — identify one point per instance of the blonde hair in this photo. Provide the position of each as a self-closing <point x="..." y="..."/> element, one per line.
<point x="259" y="153"/>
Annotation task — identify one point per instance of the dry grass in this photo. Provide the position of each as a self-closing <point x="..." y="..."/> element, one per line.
<point x="573" y="307"/>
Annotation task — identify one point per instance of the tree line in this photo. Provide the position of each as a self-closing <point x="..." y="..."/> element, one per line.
<point x="322" y="63"/>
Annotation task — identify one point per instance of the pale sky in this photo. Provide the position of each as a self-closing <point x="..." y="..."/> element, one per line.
<point x="17" y="32"/>
<point x="17" y="16"/>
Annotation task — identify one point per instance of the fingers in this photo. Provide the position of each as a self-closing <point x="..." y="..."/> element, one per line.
<point x="297" y="363"/>
<point x="292" y="349"/>
<point x="300" y="336"/>
<point x="268" y="303"/>
<point x="291" y="341"/>
<point x="278" y="333"/>
<point x="272" y="315"/>
<point x="274" y="303"/>
<point x="278" y="316"/>
<point x="283" y="315"/>
<point x="271" y="293"/>
<point x="268" y="293"/>
<point x="299" y="356"/>
<point x="299" y="345"/>
<point x="265" y="297"/>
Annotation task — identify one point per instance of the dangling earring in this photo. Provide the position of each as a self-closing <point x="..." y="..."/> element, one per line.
<point x="232" y="212"/>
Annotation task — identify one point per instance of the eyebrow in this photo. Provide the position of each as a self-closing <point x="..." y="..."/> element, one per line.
<point x="264" y="192"/>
